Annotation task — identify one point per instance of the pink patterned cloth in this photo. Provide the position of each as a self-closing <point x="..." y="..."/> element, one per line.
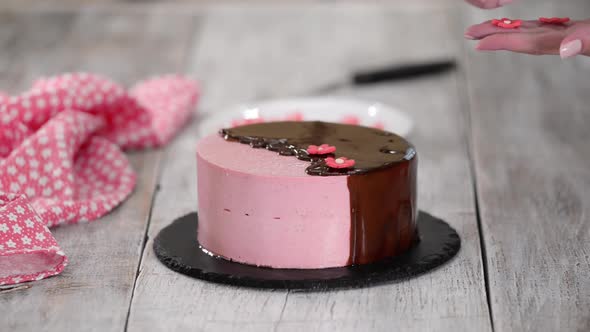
<point x="61" y="160"/>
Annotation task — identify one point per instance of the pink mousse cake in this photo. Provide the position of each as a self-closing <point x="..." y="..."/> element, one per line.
<point x="306" y="195"/>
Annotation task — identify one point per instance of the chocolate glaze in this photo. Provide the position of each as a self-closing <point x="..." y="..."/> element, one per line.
<point x="382" y="183"/>
<point x="371" y="148"/>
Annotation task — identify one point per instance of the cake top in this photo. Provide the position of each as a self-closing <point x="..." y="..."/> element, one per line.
<point x="332" y="149"/>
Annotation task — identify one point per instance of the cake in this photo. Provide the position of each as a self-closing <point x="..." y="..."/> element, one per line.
<point x="306" y="195"/>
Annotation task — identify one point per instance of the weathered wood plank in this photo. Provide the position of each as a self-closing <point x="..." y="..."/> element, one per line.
<point x="247" y="54"/>
<point x="94" y="292"/>
<point x="24" y="38"/>
<point x="530" y="138"/>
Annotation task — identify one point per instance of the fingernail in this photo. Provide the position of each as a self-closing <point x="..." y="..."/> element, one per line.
<point x="571" y="49"/>
<point x="467" y="36"/>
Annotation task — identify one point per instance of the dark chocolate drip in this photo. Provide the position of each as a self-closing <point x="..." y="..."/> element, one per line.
<point x="383" y="212"/>
<point x="382" y="183"/>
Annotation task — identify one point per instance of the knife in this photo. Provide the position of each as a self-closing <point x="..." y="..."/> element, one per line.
<point x="392" y="73"/>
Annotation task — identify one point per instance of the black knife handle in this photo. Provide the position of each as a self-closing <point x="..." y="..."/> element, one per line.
<point x="402" y="72"/>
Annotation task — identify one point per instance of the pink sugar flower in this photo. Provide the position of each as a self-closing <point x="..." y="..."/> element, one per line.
<point x="341" y="162"/>
<point x="297" y="116"/>
<point x="507" y="23"/>
<point x="322" y="149"/>
<point x="351" y="120"/>
<point x="554" y="20"/>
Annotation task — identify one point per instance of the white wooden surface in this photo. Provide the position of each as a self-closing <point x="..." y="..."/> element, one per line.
<point x="521" y="119"/>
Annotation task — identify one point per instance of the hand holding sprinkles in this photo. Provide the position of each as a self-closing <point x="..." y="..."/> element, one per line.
<point x="545" y="35"/>
<point x="61" y="160"/>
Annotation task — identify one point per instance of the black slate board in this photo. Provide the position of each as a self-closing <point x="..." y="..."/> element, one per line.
<point x="176" y="246"/>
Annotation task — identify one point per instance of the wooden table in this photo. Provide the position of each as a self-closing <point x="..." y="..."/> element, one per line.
<point x="504" y="157"/>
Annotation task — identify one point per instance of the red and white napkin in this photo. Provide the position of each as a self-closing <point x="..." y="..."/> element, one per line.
<point x="61" y="160"/>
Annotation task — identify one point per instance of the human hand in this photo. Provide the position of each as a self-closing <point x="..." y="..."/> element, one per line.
<point x="533" y="37"/>
<point x="488" y="4"/>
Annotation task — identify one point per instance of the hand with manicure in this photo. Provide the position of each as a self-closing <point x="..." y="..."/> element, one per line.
<point x="535" y="37"/>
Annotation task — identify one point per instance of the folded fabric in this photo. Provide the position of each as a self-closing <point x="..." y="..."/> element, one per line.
<point x="61" y="160"/>
<point x="27" y="250"/>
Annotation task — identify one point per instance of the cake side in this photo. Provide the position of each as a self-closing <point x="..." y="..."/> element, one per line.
<point x="259" y="208"/>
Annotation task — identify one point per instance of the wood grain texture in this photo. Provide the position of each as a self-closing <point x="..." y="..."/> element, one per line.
<point x="530" y="121"/>
<point x="94" y="291"/>
<point x="247" y="54"/>
<point x="24" y="39"/>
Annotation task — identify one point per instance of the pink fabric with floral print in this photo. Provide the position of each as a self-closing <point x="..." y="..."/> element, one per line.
<point x="61" y="160"/>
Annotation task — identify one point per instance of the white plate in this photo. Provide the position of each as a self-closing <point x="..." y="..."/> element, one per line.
<point x="328" y="109"/>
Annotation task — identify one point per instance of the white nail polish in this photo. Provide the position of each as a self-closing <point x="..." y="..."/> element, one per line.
<point x="571" y="49"/>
